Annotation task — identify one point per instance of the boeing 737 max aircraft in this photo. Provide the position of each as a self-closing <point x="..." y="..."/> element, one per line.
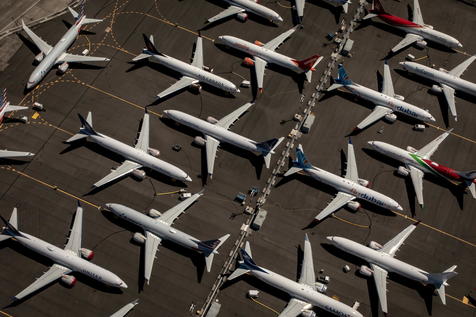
<point x="67" y="260"/>
<point x="240" y="7"/>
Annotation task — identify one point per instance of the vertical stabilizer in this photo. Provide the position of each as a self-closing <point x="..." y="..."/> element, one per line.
<point x="440" y="279"/>
<point x="267" y="148"/>
<point x="210" y="248"/>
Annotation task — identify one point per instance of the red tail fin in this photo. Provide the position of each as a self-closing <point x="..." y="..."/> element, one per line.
<point x="377" y="7"/>
<point x="306" y="64"/>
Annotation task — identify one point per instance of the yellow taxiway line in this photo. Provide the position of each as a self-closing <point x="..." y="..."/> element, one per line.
<point x="265" y="306"/>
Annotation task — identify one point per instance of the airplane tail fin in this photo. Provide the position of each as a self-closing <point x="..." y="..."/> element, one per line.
<point x="377" y="9"/>
<point x="85" y="130"/>
<point x="469" y="179"/>
<point x="10" y="229"/>
<point x="308" y="63"/>
<point x="245" y="264"/>
<point x="267" y="148"/>
<point x="300" y="163"/>
<point x="341" y="80"/>
<point x="210" y="248"/>
<point x="439" y="280"/>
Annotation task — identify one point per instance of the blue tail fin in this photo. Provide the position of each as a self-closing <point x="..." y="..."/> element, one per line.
<point x="301" y="160"/>
<point x="342" y="77"/>
<point x="87" y="125"/>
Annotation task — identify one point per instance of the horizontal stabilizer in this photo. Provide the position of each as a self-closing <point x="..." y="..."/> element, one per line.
<point x="211" y="248"/>
<point x="267" y="148"/>
<point x="334" y="86"/>
<point x="369" y="16"/>
<point x="292" y="171"/>
<point x="88" y="21"/>
<point x="140" y="57"/>
<point x="472" y="190"/>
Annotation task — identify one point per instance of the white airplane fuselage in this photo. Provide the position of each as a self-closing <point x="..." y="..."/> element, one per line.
<point x="441" y="77"/>
<point x="70" y="260"/>
<point x="384" y="100"/>
<point x="305" y="293"/>
<point x="139" y="156"/>
<point x="398" y="154"/>
<point x="352" y="188"/>
<point x="256" y="8"/>
<point x="213" y="130"/>
<point x="196" y="73"/>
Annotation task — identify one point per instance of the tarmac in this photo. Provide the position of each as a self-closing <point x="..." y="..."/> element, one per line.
<point x="45" y="188"/>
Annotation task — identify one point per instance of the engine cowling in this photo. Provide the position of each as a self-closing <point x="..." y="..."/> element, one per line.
<point x="154" y="213"/>
<point x="196" y="88"/>
<point x="259" y="43"/>
<point x="211" y="120"/>
<point x="391" y="117"/>
<point x="436" y="89"/>
<point x="138" y="238"/>
<point x="63" y="67"/>
<point x="441" y="69"/>
<point x="68" y="280"/>
<point x="138" y="174"/>
<point x="242" y="17"/>
<point x="308" y="313"/>
<point x="363" y="182"/>
<point x="365" y="271"/>
<point x="87" y="254"/>
<point x="411" y="149"/>
<point x="153" y="152"/>
<point x="403" y="171"/>
<point x="39" y="57"/>
<point x="198" y="140"/>
<point x="399" y="97"/>
<point x="429" y="26"/>
<point x="248" y="62"/>
<point x="421" y="44"/>
<point x="375" y="245"/>
<point x="353" y="205"/>
<point x="208" y="69"/>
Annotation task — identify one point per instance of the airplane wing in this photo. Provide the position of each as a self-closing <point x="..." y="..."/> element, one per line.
<point x="459" y="70"/>
<point x="183" y="82"/>
<point x="198" y="54"/>
<point x="170" y="215"/>
<point x="231" y="10"/>
<point x="73" y="58"/>
<point x="44" y="47"/>
<point x="407" y="40"/>
<point x="392" y="246"/>
<point x="300" y="7"/>
<point x="351" y="171"/>
<point x="74" y="240"/>
<point x="417" y="181"/>
<point x="55" y="272"/>
<point x="428" y="150"/>
<point x="387" y="88"/>
<point x="211" y="147"/>
<point x="125" y="309"/>
<point x="230" y="119"/>
<point x="308" y="276"/>
<point x="294" y="308"/>
<point x="124" y="169"/>
<point x="378" y="113"/>
<point x="11" y="108"/>
<point x="277" y="41"/>
<point x="450" y="99"/>
<point x="12" y="154"/>
<point x="260" y="65"/>
<point x="152" y="243"/>
<point x="143" y="140"/>
<point x="380" y="279"/>
<point x="338" y="202"/>
<point x="417" y="16"/>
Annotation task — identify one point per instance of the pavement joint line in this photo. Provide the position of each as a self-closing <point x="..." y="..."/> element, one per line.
<point x="350" y="222"/>
<point x="265" y="306"/>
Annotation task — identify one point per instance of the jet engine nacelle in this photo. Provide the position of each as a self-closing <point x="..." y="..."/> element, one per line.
<point x="365" y="271"/>
<point x="68" y="280"/>
<point x="39" y="57"/>
<point x="196" y="88"/>
<point x="308" y="313"/>
<point x="441" y="69"/>
<point x="242" y="17"/>
<point x="436" y="89"/>
<point x="411" y="149"/>
<point x="363" y="182"/>
<point x="403" y="171"/>
<point x="429" y="26"/>
<point x="208" y="69"/>
<point x="138" y="238"/>
<point x="198" y="140"/>
<point x="375" y="245"/>
<point x="421" y="44"/>
<point x="154" y="213"/>
<point x="248" y="62"/>
<point x="63" y="67"/>
<point x="259" y="43"/>
<point x="399" y="97"/>
<point x="138" y="174"/>
<point x="391" y="117"/>
<point x="153" y="152"/>
<point x="87" y="254"/>
<point x="211" y="120"/>
<point x="353" y="205"/>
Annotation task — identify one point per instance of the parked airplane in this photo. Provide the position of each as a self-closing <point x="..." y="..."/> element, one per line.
<point x="192" y="74"/>
<point x="137" y="157"/>
<point x="448" y="81"/>
<point x="381" y="260"/>
<point x="417" y="31"/>
<point x="265" y="53"/>
<point x="126" y="309"/>
<point x="303" y="292"/>
<point x="158" y="226"/>
<point x="417" y="163"/>
<point x="67" y="260"/>
<point x="386" y="102"/>
<point x="240" y="9"/>
<point x="53" y="55"/>
<point x="348" y="187"/>
<point x="216" y="131"/>
<point x="300" y="6"/>
<point x="6" y="107"/>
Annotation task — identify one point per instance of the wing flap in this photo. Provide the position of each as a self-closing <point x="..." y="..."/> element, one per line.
<point x="351" y="171"/>
<point x="417" y="181"/>
<point x="392" y="246"/>
<point x="449" y="94"/>
<point x="231" y="10"/>
<point x="55" y="272"/>
<point x="338" y="202"/>
<point x="170" y="215"/>
<point x="277" y="41"/>
<point x="378" y="113"/>
<point x="198" y="54"/>
<point x="387" y="88"/>
<point x="380" y="279"/>
<point x="230" y="119"/>
<point x="143" y="140"/>
<point x="260" y="66"/>
<point x="74" y="240"/>
<point x="459" y="70"/>
<point x="409" y="39"/>
<point x="428" y="150"/>
<point x="124" y="169"/>
<point x="308" y="276"/>
<point x="183" y="82"/>
<point x="152" y="243"/>
<point x="211" y="147"/>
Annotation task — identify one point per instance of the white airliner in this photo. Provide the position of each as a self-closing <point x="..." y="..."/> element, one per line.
<point x="240" y="9"/>
<point x="386" y="102"/>
<point x="304" y="295"/>
<point x="216" y="131"/>
<point x="138" y="157"/>
<point x="300" y="6"/>
<point x="417" y="31"/>
<point x="448" y="81"/>
<point x="53" y="55"/>
<point x="418" y="162"/>
<point x="67" y="260"/>
<point x="381" y="260"/>
<point x="349" y="187"/>
<point x="158" y="227"/>
<point x="192" y="74"/>
<point x="265" y="53"/>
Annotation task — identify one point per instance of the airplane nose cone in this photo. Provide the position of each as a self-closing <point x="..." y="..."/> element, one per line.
<point x="330" y="238"/>
<point x="108" y="206"/>
<point x="432" y="118"/>
<point x="188" y="179"/>
<point x="166" y="113"/>
<point x="460" y="45"/>
<point x="122" y="284"/>
<point x="399" y="208"/>
<point x="371" y="143"/>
